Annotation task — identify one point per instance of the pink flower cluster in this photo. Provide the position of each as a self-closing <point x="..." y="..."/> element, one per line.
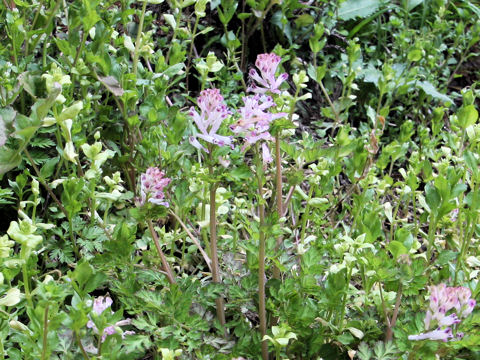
<point x="100" y="304"/>
<point x="212" y="112"/>
<point x="152" y="184"/>
<point x="254" y="120"/>
<point x="442" y="300"/>
<point x="267" y="64"/>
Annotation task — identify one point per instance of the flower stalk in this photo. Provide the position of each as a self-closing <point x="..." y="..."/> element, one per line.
<point x="45" y="333"/>
<point x="219" y="301"/>
<point x="165" y="265"/>
<point x="261" y="256"/>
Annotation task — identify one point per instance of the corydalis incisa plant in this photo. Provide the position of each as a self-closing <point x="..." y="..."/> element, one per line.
<point x="442" y="300"/>
<point x="267" y="83"/>
<point x="213" y="111"/>
<point x="254" y="123"/>
<point x="152" y="184"/>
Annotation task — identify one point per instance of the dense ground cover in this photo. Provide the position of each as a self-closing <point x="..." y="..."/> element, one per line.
<point x="335" y="145"/>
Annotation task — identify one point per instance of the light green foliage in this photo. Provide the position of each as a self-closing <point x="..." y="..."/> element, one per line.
<point x="379" y="154"/>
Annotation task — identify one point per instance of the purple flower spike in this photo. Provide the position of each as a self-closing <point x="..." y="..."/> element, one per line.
<point x="442" y="300"/>
<point x="267" y="64"/>
<point x="254" y="122"/>
<point x="212" y="112"/>
<point x="152" y="184"/>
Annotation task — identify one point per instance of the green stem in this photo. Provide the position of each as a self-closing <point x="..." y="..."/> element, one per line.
<point x="165" y="265"/>
<point x="213" y="243"/>
<point x="44" y="183"/>
<point x="344" y="301"/>
<point x="394" y="216"/>
<point x="190" y="51"/>
<point x="194" y="239"/>
<point x="330" y="103"/>
<point x="174" y="36"/>
<point x="80" y="49"/>
<point x="138" y="39"/>
<point x="261" y="257"/>
<point x="26" y="284"/>
<point x="306" y="213"/>
<point x="84" y="353"/>
<point x="2" y="349"/>
<point x="431" y="238"/>
<point x="47" y="24"/>
<point x="391" y="325"/>
<point x="72" y="239"/>
<point x="465" y="245"/>
<point x="99" y="345"/>
<point x="45" y="333"/>
<point x="279" y="197"/>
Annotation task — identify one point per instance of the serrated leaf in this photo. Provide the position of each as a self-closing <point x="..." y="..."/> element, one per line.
<point x="357" y="8"/>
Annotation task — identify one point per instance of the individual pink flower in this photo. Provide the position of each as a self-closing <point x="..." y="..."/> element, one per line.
<point x="267" y="64"/>
<point x="438" y="334"/>
<point x="442" y="300"/>
<point x="151" y="188"/>
<point x="255" y="121"/>
<point x="212" y="113"/>
<point x="101" y="304"/>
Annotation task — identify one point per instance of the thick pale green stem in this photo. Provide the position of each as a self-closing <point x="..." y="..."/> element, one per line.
<point x="138" y="39"/>
<point x="262" y="312"/>
<point x="26" y="284"/>
<point x="163" y="259"/>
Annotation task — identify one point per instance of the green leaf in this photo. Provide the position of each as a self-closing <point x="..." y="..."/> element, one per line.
<point x="12" y="297"/>
<point x="357" y="8"/>
<point x="446" y="256"/>
<point x="112" y="85"/>
<point x="41" y="107"/>
<point x="9" y="159"/>
<point x="396" y="248"/>
<point x="345" y="338"/>
<point x="23" y="233"/>
<point x="415" y="55"/>
<point x="413" y="3"/>
<point x="71" y="112"/>
<point x="356" y="332"/>
<point x="174" y="70"/>
<point x="430" y="90"/>
<point x="243" y="16"/>
<point x="304" y="20"/>
<point x="49" y="167"/>
<point x="467" y="116"/>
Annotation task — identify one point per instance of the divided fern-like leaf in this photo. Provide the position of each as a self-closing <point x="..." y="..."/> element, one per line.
<point x="42" y="142"/>
<point x="39" y="157"/>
